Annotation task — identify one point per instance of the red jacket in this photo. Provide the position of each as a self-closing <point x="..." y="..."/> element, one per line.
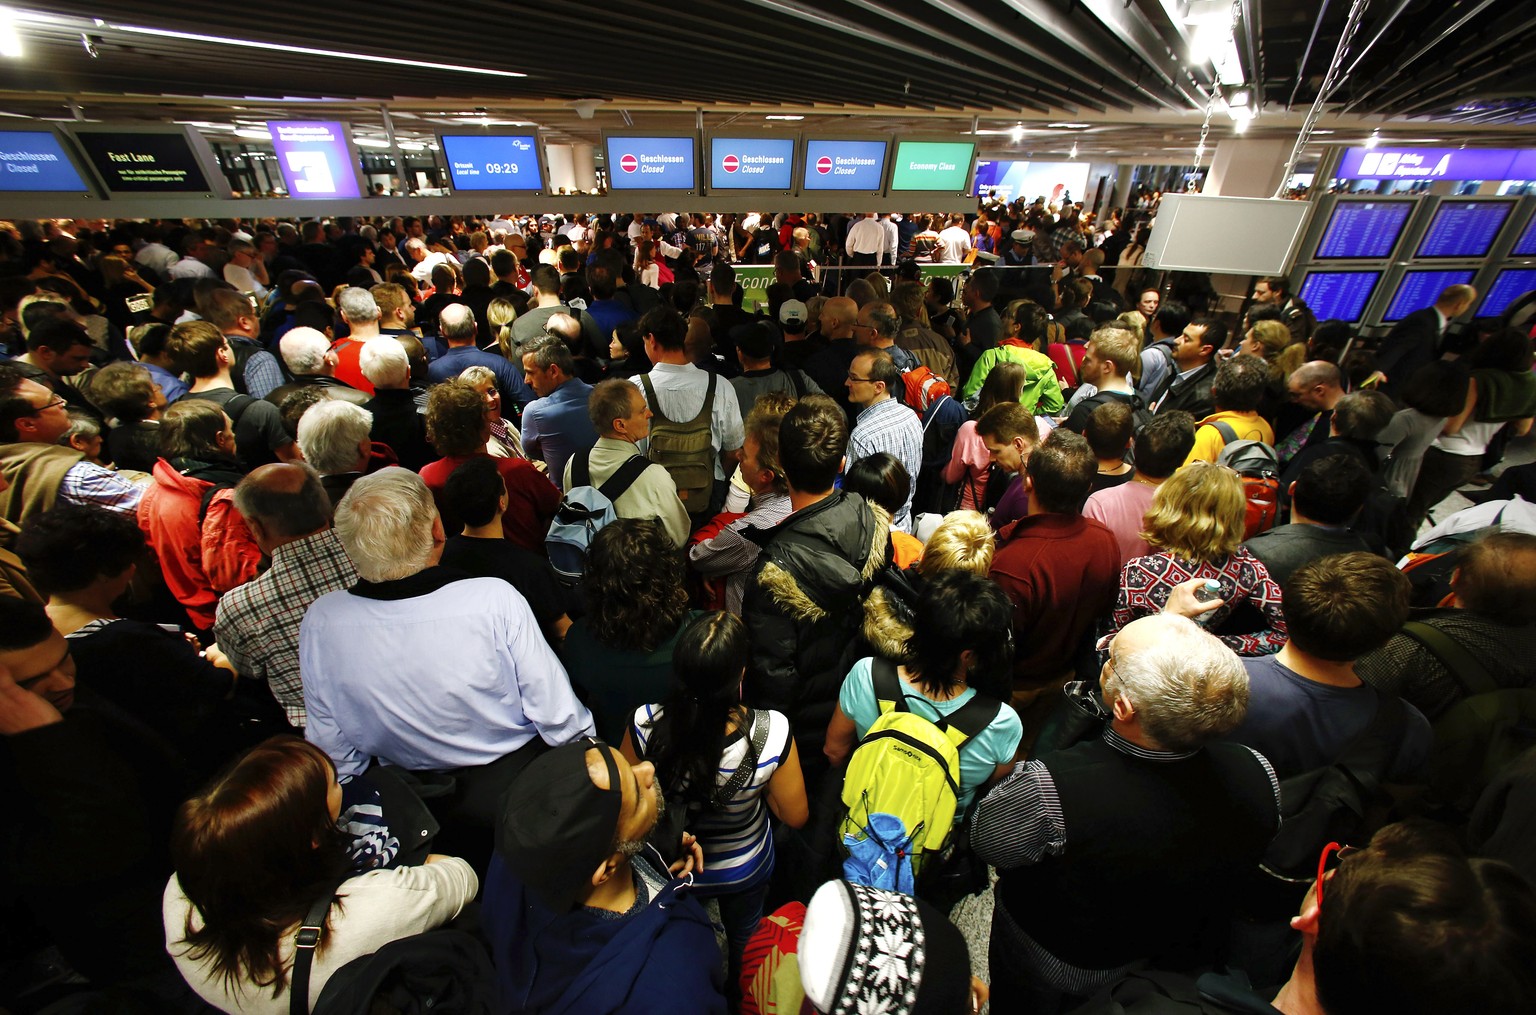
<point x="200" y="563"/>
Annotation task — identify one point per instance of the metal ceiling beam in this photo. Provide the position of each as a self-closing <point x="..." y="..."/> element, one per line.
<point x="1301" y="68"/>
<point x="1137" y="33"/>
<point x="1448" y="25"/>
<point x="1501" y="37"/>
<point x="968" y="16"/>
<point x="1062" y="27"/>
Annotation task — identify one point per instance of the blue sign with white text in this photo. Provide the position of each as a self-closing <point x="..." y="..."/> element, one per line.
<point x="1339" y="295"/>
<point x="651" y="163"/>
<point x="492" y="161"/>
<point x="1464" y="228"/>
<point x="751" y="163"/>
<point x="34" y="160"/>
<point x="844" y="165"/>
<point x="1364" y="229"/>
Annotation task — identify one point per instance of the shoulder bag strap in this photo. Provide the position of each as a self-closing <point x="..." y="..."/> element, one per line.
<point x="1228" y="435"/>
<point x="748" y="767"/>
<point x="623" y="478"/>
<point x="887" y="684"/>
<point x="709" y="400"/>
<point x="1465" y="667"/>
<point x="650" y="396"/>
<point x="304" y="946"/>
<point x="236" y="407"/>
<point x="1363" y="757"/>
<point x="972" y="717"/>
<point x="581" y="468"/>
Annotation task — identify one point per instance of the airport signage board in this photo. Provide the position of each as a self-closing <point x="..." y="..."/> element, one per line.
<point x="316" y="158"/>
<point x="844" y="165"/>
<point x="35" y="160"/>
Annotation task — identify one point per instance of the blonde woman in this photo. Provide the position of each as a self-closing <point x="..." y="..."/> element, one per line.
<point x="1195" y="529"/>
<point x="504" y="441"/>
<point x="500" y="314"/>
<point x="1271" y="342"/>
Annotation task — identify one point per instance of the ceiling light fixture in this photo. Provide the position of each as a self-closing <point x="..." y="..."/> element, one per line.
<point x="371" y="142"/>
<point x="254" y="134"/>
<point x="783" y="117"/>
<point x="1373" y="140"/>
<point x="1074" y="150"/>
<point x="412" y="146"/>
<point x="1017" y="133"/>
<point x="1068" y="126"/>
<point x="10" y="38"/>
<point x="394" y="61"/>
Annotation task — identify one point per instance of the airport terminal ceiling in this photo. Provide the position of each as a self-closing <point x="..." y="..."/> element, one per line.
<point x="1035" y="78"/>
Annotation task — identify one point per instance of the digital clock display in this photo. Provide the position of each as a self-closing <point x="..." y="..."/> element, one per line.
<point x="492" y="161"/>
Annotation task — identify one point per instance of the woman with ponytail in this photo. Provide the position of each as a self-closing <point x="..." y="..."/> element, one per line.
<point x="727" y="763"/>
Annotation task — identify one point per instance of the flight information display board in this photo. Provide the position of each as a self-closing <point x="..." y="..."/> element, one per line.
<point x="933" y="165"/>
<point x="652" y="163"/>
<point x="316" y="158"/>
<point x="1510" y="285"/>
<point x="144" y="162"/>
<point x="34" y="160"/>
<point x="1419" y="289"/>
<point x="1364" y="230"/>
<point x="1464" y="228"/>
<point x="752" y="163"/>
<point x="1525" y="246"/>
<point x="1339" y="295"/>
<point x="492" y="161"/>
<point x="844" y="165"/>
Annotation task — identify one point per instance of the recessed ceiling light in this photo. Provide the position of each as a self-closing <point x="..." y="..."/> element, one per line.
<point x="1069" y="126"/>
<point x="254" y="133"/>
<point x="785" y="117"/>
<point x="370" y="142"/>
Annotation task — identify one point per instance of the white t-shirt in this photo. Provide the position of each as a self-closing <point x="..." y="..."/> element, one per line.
<point x="243" y="280"/>
<point x="377" y="907"/>
<point x="954" y="243"/>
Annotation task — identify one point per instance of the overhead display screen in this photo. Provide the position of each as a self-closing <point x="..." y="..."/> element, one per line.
<point x="844" y="165"/>
<point x="1365" y="230"/>
<point x="1339" y="295"/>
<point x="492" y="161"/>
<point x="1016" y="178"/>
<point x="143" y="162"/>
<point x="1464" y="228"/>
<point x="1525" y="246"/>
<point x="751" y="163"/>
<point x="1419" y="289"/>
<point x="933" y="165"/>
<point x="316" y="158"/>
<point x="1509" y="286"/>
<point x="34" y="160"/>
<point x="651" y="163"/>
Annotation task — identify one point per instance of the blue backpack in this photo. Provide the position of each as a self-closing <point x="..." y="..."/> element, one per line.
<point x="584" y="511"/>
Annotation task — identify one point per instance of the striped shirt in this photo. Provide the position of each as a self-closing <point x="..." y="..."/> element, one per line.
<point x="737" y="840"/>
<point x="889" y="426"/>
<point x="88" y="484"/>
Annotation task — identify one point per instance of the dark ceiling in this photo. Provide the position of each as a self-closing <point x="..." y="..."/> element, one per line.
<point x="1119" y="66"/>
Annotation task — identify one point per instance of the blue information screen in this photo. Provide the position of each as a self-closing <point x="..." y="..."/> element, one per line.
<point x="1419" y="289"/>
<point x="1339" y="295"/>
<point x="844" y="165"/>
<point x="651" y="163"/>
<point x="34" y="160"/>
<point x="1525" y="246"/>
<point x="1464" y="228"/>
<point x="1507" y="287"/>
<point x="752" y="163"/>
<point x="1364" y="229"/>
<point x="492" y="161"/>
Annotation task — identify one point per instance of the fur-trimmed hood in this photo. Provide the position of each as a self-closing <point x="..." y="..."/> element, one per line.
<point x="820" y="559"/>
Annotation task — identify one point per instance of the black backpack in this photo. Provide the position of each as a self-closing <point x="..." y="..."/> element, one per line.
<point x="442" y="972"/>
<point x="1343" y="802"/>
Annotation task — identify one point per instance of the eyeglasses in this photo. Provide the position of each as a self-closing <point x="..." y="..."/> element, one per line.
<point x="54" y="403"/>
<point x="860" y="380"/>
<point x="1332" y="850"/>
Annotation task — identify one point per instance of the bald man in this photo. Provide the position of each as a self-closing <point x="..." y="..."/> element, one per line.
<point x="829" y="367"/>
<point x="257" y="625"/>
<point x="1316" y="386"/>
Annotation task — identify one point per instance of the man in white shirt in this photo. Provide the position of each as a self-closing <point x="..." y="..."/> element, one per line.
<point x="954" y="242"/>
<point x="866" y="242"/>
<point x="245" y="271"/>
<point x="192" y="264"/>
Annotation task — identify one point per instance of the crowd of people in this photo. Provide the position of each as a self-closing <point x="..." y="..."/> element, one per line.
<point x="510" y="599"/>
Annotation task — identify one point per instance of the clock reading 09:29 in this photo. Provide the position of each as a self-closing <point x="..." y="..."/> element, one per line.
<point x="498" y="168"/>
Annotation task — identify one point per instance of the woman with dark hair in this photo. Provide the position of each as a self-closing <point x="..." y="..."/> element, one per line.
<point x="1026" y="324"/>
<point x="626" y="352"/>
<point x="883" y="479"/>
<point x="254" y="851"/>
<point x="724" y="762"/>
<point x="1502" y="393"/>
<point x="960" y="647"/>
<point x="619" y="656"/>
<point x="188" y="513"/>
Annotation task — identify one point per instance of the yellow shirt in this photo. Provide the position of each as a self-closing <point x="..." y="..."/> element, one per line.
<point x="1249" y="426"/>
